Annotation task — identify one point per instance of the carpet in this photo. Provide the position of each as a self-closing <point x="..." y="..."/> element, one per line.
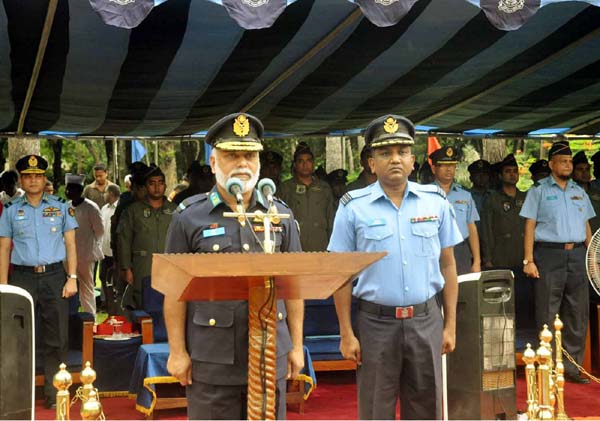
<point x="335" y="399"/>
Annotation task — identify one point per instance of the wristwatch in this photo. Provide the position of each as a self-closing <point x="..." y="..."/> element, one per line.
<point x="73" y="277"/>
<point x="526" y="262"/>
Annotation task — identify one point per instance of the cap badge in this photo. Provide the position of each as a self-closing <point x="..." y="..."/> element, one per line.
<point x="390" y="125"/>
<point x="241" y="126"/>
<point x="449" y="152"/>
<point x="33" y="162"/>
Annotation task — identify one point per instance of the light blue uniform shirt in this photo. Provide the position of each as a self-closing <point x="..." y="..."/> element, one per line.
<point x="560" y="215"/>
<point x="464" y="207"/>
<point x="413" y="235"/>
<point x="37" y="232"/>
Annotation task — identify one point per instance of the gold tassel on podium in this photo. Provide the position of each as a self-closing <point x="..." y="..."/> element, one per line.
<point x="546" y="382"/>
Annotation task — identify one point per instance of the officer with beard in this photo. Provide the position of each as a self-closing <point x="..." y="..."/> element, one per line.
<point x="208" y="341"/>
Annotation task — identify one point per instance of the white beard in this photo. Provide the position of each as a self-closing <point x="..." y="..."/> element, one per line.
<point x="248" y="185"/>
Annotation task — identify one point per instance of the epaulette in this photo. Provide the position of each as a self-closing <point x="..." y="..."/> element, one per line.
<point x="8" y="204"/>
<point x="190" y="201"/>
<point x="60" y="199"/>
<point x="432" y="188"/>
<point x="353" y="194"/>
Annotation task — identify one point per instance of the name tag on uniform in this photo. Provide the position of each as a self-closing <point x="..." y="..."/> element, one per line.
<point x="215" y="232"/>
<point x="376" y="222"/>
<point x="576" y="198"/>
<point x="551" y="197"/>
<point x="461" y="202"/>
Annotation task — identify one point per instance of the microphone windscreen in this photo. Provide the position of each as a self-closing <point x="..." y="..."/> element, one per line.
<point x="234" y="186"/>
<point x="266" y="182"/>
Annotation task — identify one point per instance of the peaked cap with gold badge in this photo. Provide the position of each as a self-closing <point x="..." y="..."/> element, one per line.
<point x="236" y="132"/>
<point x="390" y="129"/>
<point x="32" y="164"/>
<point x="444" y="155"/>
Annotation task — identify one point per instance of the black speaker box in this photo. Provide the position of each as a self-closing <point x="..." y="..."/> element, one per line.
<point x="481" y="371"/>
<point x="16" y="354"/>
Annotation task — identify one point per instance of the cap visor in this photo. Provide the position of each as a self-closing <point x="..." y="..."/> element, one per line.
<point x="32" y="171"/>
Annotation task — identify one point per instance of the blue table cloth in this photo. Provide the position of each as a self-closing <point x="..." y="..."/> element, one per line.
<point x="151" y="369"/>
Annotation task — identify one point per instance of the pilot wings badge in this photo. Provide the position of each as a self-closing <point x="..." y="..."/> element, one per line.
<point x="385" y="2"/>
<point x="510" y="6"/>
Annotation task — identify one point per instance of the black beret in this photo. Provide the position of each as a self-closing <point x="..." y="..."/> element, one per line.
<point x="236" y="132"/>
<point x="444" y="155"/>
<point x="337" y="176"/>
<point x="390" y="129"/>
<point x="303" y="149"/>
<point x="580" y="158"/>
<point x="508" y="161"/>
<point x="559" y="148"/>
<point x="32" y="164"/>
<point x="271" y="157"/>
<point x="540" y="166"/>
<point x="479" y="166"/>
<point x="153" y="171"/>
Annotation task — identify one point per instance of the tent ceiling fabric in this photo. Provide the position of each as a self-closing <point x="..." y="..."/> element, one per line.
<point x="321" y="67"/>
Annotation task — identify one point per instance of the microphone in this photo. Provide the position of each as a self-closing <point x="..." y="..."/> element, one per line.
<point x="267" y="187"/>
<point x="234" y="187"/>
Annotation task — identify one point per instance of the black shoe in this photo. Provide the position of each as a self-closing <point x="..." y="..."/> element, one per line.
<point x="50" y="403"/>
<point x="576" y="379"/>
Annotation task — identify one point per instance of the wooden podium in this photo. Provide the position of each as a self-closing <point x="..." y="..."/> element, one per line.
<point x="260" y="279"/>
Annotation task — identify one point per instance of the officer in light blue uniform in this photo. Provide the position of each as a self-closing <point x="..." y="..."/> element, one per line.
<point x="400" y="332"/>
<point x="39" y="225"/>
<point x="468" y="253"/>
<point x="557" y="232"/>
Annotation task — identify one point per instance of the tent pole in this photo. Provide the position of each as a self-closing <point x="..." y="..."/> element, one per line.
<point x="52" y="4"/>
<point x="521" y="74"/>
<point x="352" y="17"/>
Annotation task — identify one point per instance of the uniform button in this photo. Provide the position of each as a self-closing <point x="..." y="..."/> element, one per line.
<point x="246" y="246"/>
<point x="51" y="219"/>
<point x="405" y="262"/>
<point x="215" y="247"/>
<point x="402" y="237"/>
<point x="280" y="316"/>
<point x="212" y="322"/>
<point x="406" y="289"/>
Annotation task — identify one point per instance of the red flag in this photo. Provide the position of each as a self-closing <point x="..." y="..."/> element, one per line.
<point x="432" y="146"/>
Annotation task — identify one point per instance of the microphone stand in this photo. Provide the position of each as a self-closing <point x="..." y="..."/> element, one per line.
<point x="262" y="323"/>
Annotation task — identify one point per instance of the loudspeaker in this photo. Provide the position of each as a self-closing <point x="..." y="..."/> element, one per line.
<point x="481" y="371"/>
<point x="16" y="354"/>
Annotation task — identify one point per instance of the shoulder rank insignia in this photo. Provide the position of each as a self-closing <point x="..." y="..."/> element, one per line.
<point x="190" y="201"/>
<point x="432" y="188"/>
<point x="354" y="194"/>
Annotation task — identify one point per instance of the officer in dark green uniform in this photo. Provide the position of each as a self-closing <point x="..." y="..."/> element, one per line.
<point x="539" y="170"/>
<point x="142" y="231"/>
<point x="502" y="233"/>
<point x="582" y="176"/>
<point x="311" y="199"/>
<point x="367" y="176"/>
<point x="337" y="180"/>
<point x="270" y="167"/>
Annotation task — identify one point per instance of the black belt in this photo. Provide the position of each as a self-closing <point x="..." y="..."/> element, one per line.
<point x="407" y="312"/>
<point x="39" y="269"/>
<point x="558" y="246"/>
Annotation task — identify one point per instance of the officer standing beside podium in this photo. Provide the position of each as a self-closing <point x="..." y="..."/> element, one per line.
<point x="209" y="340"/>
<point x="42" y="228"/>
<point x="401" y="335"/>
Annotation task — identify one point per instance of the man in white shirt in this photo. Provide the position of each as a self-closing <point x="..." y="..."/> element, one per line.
<point x="108" y="285"/>
<point x="88" y="239"/>
<point x="11" y="190"/>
